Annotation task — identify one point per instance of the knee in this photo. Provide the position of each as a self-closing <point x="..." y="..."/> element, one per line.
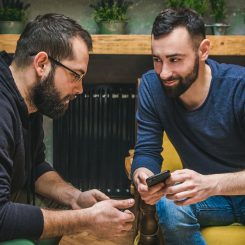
<point x="176" y="218"/>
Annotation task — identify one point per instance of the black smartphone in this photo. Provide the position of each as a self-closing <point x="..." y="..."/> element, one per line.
<point x="158" y="178"/>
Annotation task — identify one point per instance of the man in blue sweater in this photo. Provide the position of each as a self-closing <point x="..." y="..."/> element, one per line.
<point x="45" y="75"/>
<point x="200" y="104"/>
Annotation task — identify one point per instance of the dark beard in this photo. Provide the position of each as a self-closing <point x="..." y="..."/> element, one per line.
<point x="47" y="99"/>
<point x="183" y="82"/>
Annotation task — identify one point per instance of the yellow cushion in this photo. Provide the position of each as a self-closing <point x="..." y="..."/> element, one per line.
<point x="171" y="157"/>
<point x="222" y="235"/>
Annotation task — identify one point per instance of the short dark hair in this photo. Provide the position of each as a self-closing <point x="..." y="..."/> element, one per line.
<point x="170" y="18"/>
<point x="51" y="33"/>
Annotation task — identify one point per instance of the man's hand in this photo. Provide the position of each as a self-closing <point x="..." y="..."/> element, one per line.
<point x="107" y="221"/>
<point x="87" y="199"/>
<point x="52" y="186"/>
<point x="186" y="187"/>
<point x="149" y="194"/>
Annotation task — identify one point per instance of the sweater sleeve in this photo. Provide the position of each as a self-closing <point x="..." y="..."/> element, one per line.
<point x="20" y="221"/>
<point x="16" y="220"/>
<point x="149" y="130"/>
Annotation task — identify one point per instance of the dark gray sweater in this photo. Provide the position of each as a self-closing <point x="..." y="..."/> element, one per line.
<point x="22" y="159"/>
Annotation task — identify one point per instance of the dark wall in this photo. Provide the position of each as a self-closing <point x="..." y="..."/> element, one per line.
<point x="127" y="68"/>
<point x="117" y="68"/>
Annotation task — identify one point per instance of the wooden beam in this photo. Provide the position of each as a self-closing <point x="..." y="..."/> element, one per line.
<point x="122" y="44"/>
<point x="140" y="44"/>
<point x="8" y="42"/>
<point x="227" y="45"/>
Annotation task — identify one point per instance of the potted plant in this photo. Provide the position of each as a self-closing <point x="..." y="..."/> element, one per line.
<point x="218" y="12"/>
<point x="12" y="16"/>
<point x="199" y="6"/>
<point x="110" y="15"/>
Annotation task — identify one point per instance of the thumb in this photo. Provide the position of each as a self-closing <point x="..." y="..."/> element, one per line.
<point x="142" y="177"/>
<point x="122" y="204"/>
<point x="142" y="186"/>
<point x="100" y="196"/>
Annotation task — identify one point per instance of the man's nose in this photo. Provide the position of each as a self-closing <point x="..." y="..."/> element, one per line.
<point x="79" y="88"/>
<point x="165" y="72"/>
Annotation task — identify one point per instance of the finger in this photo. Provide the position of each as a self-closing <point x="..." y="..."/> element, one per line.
<point x="177" y="188"/>
<point x="180" y="171"/>
<point x="122" y="204"/>
<point x="142" y="188"/>
<point x="176" y="179"/>
<point x="154" y="196"/>
<point x="156" y="188"/>
<point x="130" y="216"/>
<point x="153" y="199"/>
<point x="153" y="202"/>
<point x="185" y="202"/>
<point x="100" y="196"/>
<point x="179" y="176"/>
<point x="127" y="226"/>
<point x="143" y="176"/>
<point x="160" y="189"/>
<point x="121" y="233"/>
<point x="180" y="196"/>
<point x="127" y="211"/>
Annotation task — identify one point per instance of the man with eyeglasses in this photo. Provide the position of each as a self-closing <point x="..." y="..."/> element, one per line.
<point x="45" y="74"/>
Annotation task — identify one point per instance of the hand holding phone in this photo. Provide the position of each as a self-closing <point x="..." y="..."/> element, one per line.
<point x="158" y="178"/>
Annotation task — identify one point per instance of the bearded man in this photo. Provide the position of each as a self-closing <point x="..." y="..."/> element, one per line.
<point x="45" y="75"/>
<point x="200" y="104"/>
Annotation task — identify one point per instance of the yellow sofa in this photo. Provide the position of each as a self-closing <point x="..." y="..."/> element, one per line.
<point x="223" y="235"/>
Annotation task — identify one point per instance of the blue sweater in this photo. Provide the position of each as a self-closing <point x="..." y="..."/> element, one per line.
<point x="210" y="139"/>
<point x="22" y="159"/>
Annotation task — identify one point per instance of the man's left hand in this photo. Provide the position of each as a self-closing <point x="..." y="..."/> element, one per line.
<point x="87" y="199"/>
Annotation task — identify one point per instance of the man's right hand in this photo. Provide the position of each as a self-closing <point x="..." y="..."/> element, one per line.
<point x="150" y="195"/>
<point x="107" y="219"/>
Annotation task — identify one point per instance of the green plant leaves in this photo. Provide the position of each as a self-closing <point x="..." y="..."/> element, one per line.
<point x="218" y="9"/>
<point x="110" y="10"/>
<point x="199" y="6"/>
<point x="13" y="10"/>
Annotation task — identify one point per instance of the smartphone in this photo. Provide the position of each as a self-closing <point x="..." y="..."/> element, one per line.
<point x="158" y="178"/>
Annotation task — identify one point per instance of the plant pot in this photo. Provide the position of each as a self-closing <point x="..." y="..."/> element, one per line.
<point x="219" y="28"/>
<point x="112" y="27"/>
<point x="11" y="27"/>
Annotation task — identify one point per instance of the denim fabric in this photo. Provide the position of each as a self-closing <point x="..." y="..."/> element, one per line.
<point x="181" y="224"/>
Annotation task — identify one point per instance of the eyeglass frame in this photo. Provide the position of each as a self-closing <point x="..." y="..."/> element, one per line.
<point x="79" y="77"/>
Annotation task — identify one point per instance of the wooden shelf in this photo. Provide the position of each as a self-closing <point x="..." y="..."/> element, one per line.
<point x="140" y="44"/>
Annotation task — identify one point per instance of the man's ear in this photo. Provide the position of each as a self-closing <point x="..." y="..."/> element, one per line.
<point x="204" y="49"/>
<point x="41" y="63"/>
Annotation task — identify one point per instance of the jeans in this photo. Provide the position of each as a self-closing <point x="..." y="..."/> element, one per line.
<point x="181" y="224"/>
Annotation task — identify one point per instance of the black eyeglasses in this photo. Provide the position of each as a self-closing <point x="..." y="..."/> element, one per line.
<point x="78" y="77"/>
